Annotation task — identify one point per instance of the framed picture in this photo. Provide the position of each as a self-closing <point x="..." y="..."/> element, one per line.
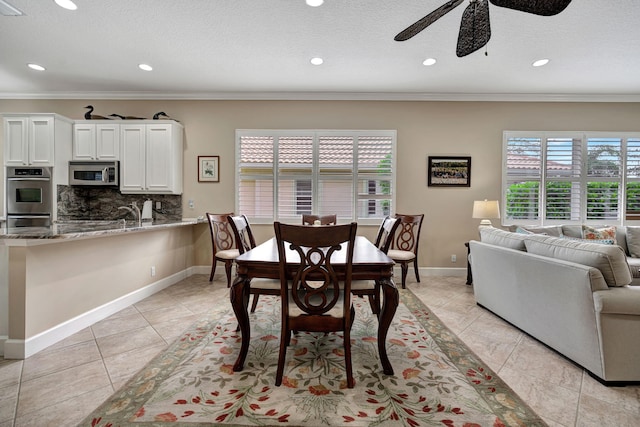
<point x="208" y="168"/>
<point x="448" y="171"/>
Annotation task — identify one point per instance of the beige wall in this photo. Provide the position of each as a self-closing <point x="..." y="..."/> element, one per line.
<point x="424" y="128"/>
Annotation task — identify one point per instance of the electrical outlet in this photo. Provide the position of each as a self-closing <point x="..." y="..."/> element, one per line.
<point x="191" y="204"/>
<point x="158" y="205"/>
<point x="153" y="270"/>
<point x="454" y="258"/>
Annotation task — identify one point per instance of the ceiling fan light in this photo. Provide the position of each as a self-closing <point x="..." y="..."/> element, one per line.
<point x="66" y="4"/>
<point x="540" y="62"/>
<point x="145" y="67"/>
<point x="317" y="61"/>
<point x="36" y="67"/>
<point x="314" y="3"/>
<point x="429" y="62"/>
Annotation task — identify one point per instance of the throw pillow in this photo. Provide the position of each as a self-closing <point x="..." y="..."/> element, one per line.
<point x="633" y="241"/>
<point x="592" y="233"/>
<point x="521" y="230"/>
<point x="601" y="241"/>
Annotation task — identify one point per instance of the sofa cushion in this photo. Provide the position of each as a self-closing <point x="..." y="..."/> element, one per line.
<point x="633" y="240"/>
<point x="505" y="239"/>
<point x="605" y="233"/>
<point x="550" y="230"/>
<point x="609" y="259"/>
<point x="600" y="241"/>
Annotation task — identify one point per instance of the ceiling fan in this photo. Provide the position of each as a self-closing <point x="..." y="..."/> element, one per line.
<point x="475" y="30"/>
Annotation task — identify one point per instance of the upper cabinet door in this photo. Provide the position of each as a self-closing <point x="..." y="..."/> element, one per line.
<point x="84" y="142"/>
<point x="108" y="142"/>
<point x="41" y="141"/>
<point x="29" y="141"/>
<point x="16" y="143"/>
<point x="132" y="151"/>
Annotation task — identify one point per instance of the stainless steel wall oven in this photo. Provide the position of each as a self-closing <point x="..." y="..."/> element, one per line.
<point x="29" y="195"/>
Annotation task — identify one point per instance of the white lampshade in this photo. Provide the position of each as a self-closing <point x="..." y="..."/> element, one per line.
<point x="485" y="209"/>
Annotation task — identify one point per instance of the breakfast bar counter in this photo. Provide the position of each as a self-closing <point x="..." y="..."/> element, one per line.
<point x="58" y="280"/>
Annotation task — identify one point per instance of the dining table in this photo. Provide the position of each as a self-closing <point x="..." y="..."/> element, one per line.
<point x="369" y="263"/>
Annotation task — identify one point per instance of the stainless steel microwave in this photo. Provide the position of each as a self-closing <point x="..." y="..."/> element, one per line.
<point x="94" y="173"/>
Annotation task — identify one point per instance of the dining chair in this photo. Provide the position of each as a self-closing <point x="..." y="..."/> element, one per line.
<point x="317" y="300"/>
<point x="324" y="219"/>
<point x="370" y="288"/>
<point x="404" y="248"/>
<point x="222" y="242"/>
<point x="245" y="242"/>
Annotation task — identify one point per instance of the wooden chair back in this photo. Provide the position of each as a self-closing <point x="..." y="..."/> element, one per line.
<point x="221" y="232"/>
<point x="242" y="232"/>
<point x="408" y="233"/>
<point x="386" y="233"/>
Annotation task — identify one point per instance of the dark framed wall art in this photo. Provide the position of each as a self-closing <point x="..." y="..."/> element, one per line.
<point x="449" y="171"/>
<point x="208" y="168"/>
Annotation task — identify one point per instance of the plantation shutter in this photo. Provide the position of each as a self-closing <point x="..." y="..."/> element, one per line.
<point x="523" y="177"/>
<point x="295" y="172"/>
<point x="604" y="175"/>
<point x="563" y="178"/>
<point x="335" y="176"/>
<point x="255" y="176"/>
<point x="375" y="171"/>
<point x="633" y="179"/>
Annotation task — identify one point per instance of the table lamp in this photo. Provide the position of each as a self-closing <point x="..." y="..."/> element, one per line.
<point x="485" y="209"/>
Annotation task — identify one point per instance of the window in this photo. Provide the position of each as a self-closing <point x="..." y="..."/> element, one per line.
<point x="575" y="177"/>
<point x="281" y="174"/>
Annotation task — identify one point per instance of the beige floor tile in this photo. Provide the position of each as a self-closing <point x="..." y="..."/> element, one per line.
<point x="58" y="359"/>
<point x="166" y="313"/>
<point x="66" y="413"/>
<point x="8" y="402"/>
<point x="172" y="329"/>
<point x="494" y="353"/>
<point x="545" y="397"/>
<point x="70" y="383"/>
<point x="118" y="324"/>
<point x="10" y="372"/>
<point x="122" y="366"/>
<point x="599" y="413"/>
<point x="127" y="341"/>
<point x="156" y="301"/>
<point x="626" y="398"/>
<point x="541" y="362"/>
<point x="77" y="338"/>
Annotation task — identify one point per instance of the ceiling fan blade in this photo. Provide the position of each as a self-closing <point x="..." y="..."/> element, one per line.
<point x="475" y="29"/>
<point x="538" y="7"/>
<point x="420" y="25"/>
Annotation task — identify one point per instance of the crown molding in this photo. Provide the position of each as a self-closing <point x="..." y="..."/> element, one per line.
<point x="331" y="96"/>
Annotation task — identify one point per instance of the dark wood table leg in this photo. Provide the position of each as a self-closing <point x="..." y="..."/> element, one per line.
<point x="239" y="294"/>
<point x="469" y="275"/>
<point x="391" y="299"/>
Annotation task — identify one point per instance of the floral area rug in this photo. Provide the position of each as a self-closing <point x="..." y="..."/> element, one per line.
<point x="438" y="381"/>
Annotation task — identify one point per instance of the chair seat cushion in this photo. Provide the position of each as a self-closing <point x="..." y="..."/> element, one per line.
<point x="395" y="254"/>
<point x="259" y="283"/>
<point x="228" y="254"/>
<point x="362" y="285"/>
<point x="336" y="311"/>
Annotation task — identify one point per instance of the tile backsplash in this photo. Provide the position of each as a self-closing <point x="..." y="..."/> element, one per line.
<point x="86" y="203"/>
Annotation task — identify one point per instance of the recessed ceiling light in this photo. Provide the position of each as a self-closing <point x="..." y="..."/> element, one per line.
<point x="145" y="67"/>
<point x="66" y="4"/>
<point x="36" y="67"/>
<point x="317" y="61"/>
<point x="429" y="61"/>
<point x="314" y="3"/>
<point x="540" y="62"/>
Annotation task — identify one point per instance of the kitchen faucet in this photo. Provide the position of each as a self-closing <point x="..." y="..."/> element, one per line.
<point x="135" y="211"/>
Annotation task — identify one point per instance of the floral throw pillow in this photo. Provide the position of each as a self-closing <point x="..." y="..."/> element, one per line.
<point x="606" y="233"/>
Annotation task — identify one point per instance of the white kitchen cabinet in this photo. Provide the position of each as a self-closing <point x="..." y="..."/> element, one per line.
<point x="96" y="141"/>
<point x="29" y="140"/>
<point x="151" y="158"/>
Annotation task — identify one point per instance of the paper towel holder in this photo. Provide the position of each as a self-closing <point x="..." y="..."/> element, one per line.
<point x="147" y="211"/>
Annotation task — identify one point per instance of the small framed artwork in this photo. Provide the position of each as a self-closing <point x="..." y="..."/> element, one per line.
<point x="448" y="171"/>
<point x="208" y="168"/>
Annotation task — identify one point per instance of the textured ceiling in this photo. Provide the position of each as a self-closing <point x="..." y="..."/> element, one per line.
<point x="260" y="49"/>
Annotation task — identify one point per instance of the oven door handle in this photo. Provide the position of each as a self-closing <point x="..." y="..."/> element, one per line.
<point x="27" y="216"/>
<point x="29" y="179"/>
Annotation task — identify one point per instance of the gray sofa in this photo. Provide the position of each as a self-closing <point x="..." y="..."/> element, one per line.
<point x="575" y="296"/>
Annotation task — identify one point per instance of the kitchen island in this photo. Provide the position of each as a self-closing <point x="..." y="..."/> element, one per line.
<point x="58" y="280"/>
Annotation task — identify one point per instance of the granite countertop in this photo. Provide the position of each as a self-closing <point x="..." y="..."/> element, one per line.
<point x="84" y="229"/>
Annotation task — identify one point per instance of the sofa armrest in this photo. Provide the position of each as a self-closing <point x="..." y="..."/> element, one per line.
<point x="624" y="300"/>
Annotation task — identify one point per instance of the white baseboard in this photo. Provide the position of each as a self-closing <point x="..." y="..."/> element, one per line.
<point x="21" y="349"/>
